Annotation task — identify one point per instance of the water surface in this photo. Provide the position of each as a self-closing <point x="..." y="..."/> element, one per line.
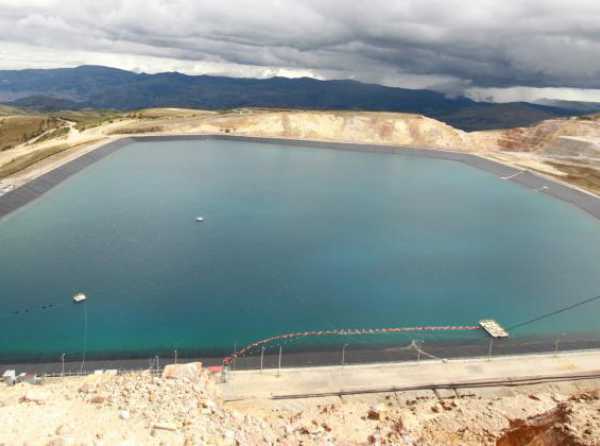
<point x="294" y="239"/>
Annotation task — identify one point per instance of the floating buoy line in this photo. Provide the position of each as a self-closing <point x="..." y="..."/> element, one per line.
<point x="346" y="332"/>
<point x="77" y="298"/>
<point x="24" y="311"/>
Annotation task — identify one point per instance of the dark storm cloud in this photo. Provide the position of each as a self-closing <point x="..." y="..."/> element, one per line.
<point x="480" y="43"/>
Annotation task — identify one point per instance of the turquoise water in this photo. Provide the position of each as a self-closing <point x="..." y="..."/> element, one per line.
<point x="294" y="239"/>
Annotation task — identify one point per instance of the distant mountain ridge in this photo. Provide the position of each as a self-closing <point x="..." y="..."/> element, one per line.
<point x="581" y="106"/>
<point x="110" y="88"/>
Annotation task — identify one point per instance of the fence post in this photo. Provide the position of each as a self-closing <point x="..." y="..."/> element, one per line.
<point x="279" y="362"/>
<point x="234" y="355"/>
<point x="224" y="373"/>
<point x="262" y="357"/>
<point x="490" y="348"/>
<point x="557" y="342"/>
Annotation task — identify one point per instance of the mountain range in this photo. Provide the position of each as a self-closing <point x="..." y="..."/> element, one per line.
<point x="110" y="88"/>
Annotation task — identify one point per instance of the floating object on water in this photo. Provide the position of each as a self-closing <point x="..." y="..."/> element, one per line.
<point x="79" y="297"/>
<point x="358" y="331"/>
<point x="199" y="219"/>
<point x="493" y="328"/>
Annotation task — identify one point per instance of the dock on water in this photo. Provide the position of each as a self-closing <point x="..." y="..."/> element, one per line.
<point x="493" y="328"/>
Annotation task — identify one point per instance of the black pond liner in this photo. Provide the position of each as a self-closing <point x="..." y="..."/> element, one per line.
<point x="313" y="355"/>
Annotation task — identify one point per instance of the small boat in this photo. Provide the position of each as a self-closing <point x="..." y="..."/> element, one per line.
<point x="199" y="219"/>
<point x="79" y="297"/>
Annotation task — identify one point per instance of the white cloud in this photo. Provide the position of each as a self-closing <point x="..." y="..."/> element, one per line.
<point x="529" y="94"/>
<point x="25" y="56"/>
<point x="453" y="46"/>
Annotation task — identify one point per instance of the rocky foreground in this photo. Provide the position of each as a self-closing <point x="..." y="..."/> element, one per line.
<point x="183" y="407"/>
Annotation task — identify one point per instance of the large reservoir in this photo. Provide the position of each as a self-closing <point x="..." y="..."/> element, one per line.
<point x="294" y="238"/>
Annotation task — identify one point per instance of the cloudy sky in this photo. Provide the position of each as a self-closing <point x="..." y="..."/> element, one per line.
<point x="488" y="49"/>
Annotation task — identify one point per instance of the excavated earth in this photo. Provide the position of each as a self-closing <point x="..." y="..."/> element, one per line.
<point x="183" y="407"/>
<point x="566" y="149"/>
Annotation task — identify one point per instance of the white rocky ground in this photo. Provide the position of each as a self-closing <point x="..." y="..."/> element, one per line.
<point x="184" y="408"/>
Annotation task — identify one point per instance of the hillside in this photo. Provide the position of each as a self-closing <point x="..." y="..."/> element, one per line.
<point x="185" y="407"/>
<point x="500" y="116"/>
<point x="6" y="110"/>
<point x="580" y="106"/>
<point x="109" y="88"/>
<point x="15" y="130"/>
<point x="567" y="149"/>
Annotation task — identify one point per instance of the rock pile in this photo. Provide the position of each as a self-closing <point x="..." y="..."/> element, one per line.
<point x="183" y="408"/>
